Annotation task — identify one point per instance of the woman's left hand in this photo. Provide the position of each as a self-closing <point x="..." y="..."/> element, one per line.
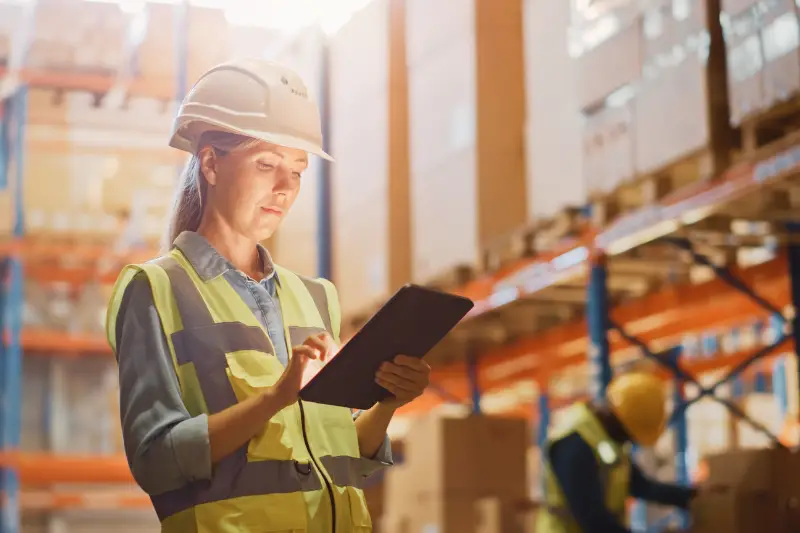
<point x="405" y="377"/>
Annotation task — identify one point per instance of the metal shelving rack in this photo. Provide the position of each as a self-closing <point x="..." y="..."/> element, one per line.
<point x="19" y="257"/>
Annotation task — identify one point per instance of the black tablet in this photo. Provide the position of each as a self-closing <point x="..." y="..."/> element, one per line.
<point x="412" y="322"/>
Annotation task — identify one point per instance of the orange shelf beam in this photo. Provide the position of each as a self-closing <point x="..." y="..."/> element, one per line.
<point x="63" y="344"/>
<point x="659" y="316"/>
<point x="43" y="469"/>
<point x="161" y="89"/>
<point x="32" y="500"/>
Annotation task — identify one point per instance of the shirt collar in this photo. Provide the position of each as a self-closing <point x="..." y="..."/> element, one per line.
<point x="208" y="263"/>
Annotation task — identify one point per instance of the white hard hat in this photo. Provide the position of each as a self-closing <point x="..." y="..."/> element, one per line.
<point x="254" y="98"/>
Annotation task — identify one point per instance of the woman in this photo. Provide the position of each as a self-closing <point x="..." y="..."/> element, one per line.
<point x="212" y="339"/>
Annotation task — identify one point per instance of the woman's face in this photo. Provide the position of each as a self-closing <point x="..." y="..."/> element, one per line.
<point x="252" y="189"/>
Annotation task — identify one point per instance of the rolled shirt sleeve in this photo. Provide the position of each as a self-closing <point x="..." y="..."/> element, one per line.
<point x="166" y="447"/>
<point x="382" y="459"/>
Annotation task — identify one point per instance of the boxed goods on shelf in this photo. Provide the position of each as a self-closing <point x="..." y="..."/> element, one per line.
<point x="369" y="206"/>
<point x="654" y="93"/>
<point x="763" y="54"/>
<point x="72" y="34"/>
<point x="554" y="122"/>
<point x="466" y="124"/>
<point x="452" y="463"/>
<point x="749" y="491"/>
<point x="156" y="54"/>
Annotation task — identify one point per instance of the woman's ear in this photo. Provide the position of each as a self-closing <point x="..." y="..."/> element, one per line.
<point x="208" y="164"/>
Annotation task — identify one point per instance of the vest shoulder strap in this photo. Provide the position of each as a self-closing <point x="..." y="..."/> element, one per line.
<point x="162" y="297"/>
<point x="324" y="295"/>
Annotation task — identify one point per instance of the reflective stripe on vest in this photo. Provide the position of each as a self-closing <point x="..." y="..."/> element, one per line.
<point x="203" y="348"/>
<point x="614" y="472"/>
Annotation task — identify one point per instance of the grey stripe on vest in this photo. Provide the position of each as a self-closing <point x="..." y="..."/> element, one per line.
<point x="345" y="471"/>
<point x="191" y="306"/>
<point x="204" y="343"/>
<point x="235" y="477"/>
<point x="320" y="297"/>
<point x="298" y="334"/>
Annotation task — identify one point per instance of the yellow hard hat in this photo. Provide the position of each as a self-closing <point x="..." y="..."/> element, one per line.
<point x="254" y="98"/>
<point x="639" y="402"/>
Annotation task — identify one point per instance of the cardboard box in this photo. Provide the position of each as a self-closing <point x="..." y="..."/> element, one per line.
<point x="745" y="61"/>
<point x="766" y="470"/>
<point x="466" y="123"/>
<point x="478" y="455"/>
<point x="493" y="515"/>
<point x="369" y="139"/>
<point x="681" y="105"/>
<point x="610" y="65"/>
<point x="608" y="151"/>
<point x="779" y="39"/>
<point x="738" y="511"/>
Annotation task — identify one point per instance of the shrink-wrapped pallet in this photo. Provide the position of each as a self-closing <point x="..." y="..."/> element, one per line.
<point x="466" y="127"/>
<point x="554" y="123"/>
<point x="366" y="120"/>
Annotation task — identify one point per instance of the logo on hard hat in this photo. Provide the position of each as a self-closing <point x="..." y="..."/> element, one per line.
<point x="297" y="92"/>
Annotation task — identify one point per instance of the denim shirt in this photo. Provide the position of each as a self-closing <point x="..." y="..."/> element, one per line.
<point x="165" y="446"/>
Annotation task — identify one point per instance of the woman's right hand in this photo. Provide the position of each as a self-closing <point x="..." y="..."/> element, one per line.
<point x="286" y="389"/>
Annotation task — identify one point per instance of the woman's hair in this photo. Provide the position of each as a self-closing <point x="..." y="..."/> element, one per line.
<point x="190" y="195"/>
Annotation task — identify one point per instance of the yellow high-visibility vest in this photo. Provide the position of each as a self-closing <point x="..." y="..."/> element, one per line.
<point x="613" y="462"/>
<point x="302" y="471"/>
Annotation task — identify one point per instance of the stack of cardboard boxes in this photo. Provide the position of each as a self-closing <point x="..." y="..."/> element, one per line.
<point x="750" y="491"/>
<point x="458" y="473"/>
<point x="763" y="54"/>
<point x="653" y="90"/>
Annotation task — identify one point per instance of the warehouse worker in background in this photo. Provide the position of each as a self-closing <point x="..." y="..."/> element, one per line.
<point x="589" y="474"/>
<point x="213" y="338"/>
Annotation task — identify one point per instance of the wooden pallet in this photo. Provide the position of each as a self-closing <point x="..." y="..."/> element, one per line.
<point x="769" y="126"/>
<point x="650" y="188"/>
<point x="532" y="239"/>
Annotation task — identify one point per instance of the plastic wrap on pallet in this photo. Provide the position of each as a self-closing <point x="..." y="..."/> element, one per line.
<point x="555" y="123"/>
<point x="745" y="59"/>
<point x="359" y="139"/>
<point x="673" y="100"/>
<point x="89" y="36"/>
<point x="780" y="38"/>
<point x="609" y="147"/>
<point x="763" y="43"/>
<point x="607" y="46"/>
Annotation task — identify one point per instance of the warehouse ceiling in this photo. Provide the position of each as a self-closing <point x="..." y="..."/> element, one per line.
<point x="286" y="16"/>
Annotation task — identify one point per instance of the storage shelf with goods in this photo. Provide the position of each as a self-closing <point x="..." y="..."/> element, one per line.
<point x="466" y="108"/>
<point x="369" y="181"/>
<point x="134" y="53"/>
<point x="653" y="95"/>
<point x="720" y="325"/>
<point x="763" y="69"/>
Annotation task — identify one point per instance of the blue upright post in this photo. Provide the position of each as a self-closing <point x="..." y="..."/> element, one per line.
<point x="681" y="441"/>
<point x="11" y="321"/>
<point x="324" y="222"/>
<point x="794" y="277"/>
<point x="544" y="426"/>
<point x="474" y="384"/>
<point x="598" y="319"/>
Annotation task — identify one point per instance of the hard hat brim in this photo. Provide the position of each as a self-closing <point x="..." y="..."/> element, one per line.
<point x="203" y="125"/>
